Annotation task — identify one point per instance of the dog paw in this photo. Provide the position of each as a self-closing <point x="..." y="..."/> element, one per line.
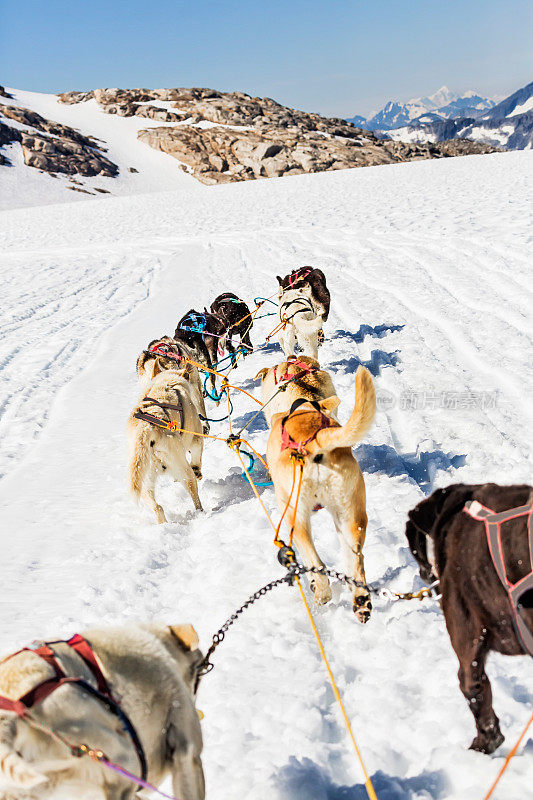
<point x="206" y="428"/>
<point x="322" y="594"/>
<point x="198" y="473"/>
<point x="487" y="744"/>
<point x="362" y="606"/>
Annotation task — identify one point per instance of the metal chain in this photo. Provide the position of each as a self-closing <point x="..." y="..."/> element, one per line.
<point x="286" y="557"/>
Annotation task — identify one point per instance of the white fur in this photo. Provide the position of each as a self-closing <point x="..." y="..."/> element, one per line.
<point x="301" y="327"/>
<point x="152" y="674"/>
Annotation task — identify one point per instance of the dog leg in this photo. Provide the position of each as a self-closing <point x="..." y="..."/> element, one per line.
<point x="148" y="496"/>
<point x="181" y="471"/>
<point x="306" y="548"/>
<point x="352" y="533"/>
<point x="196" y="450"/>
<point x="309" y="344"/>
<point x="287" y="340"/>
<point x="468" y="641"/>
<point x="187" y="776"/>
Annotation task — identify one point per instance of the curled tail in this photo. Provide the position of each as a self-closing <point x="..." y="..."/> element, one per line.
<point x="311" y="326"/>
<point x="361" y="417"/>
<point x="143" y="434"/>
<point x="14" y="771"/>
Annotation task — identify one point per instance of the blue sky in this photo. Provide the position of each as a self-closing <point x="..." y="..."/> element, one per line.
<point x="339" y="57"/>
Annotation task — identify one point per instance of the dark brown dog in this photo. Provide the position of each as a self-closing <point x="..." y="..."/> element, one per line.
<point x="452" y="547"/>
<point x="316" y="280"/>
<point x="236" y="315"/>
<point x="203" y="333"/>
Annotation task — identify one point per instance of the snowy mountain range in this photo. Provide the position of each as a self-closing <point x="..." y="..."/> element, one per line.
<point x="442" y="105"/>
<point x="508" y="124"/>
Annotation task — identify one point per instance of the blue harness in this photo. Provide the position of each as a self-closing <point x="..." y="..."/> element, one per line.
<point x="197" y="322"/>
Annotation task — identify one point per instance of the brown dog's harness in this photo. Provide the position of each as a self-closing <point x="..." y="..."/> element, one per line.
<point x="103" y="692"/>
<point x="305" y="369"/>
<point x="299" y="275"/>
<point x="299" y="448"/>
<point x="515" y="591"/>
<point x="169" y="423"/>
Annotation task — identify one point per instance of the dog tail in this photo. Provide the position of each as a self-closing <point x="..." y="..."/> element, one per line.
<point x="144" y="435"/>
<point x="311" y="326"/>
<point x="14" y="771"/>
<point x="361" y="417"/>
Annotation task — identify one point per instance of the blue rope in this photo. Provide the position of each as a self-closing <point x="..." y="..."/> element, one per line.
<point x="264" y="300"/>
<point x="251" y="467"/>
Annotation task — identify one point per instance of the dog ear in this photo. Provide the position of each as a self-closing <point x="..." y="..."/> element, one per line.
<point x="429" y="515"/>
<point x="330" y="403"/>
<point x="279" y="280"/>
<point x="156" y="367"/>
<point x="262" y="374"/>
<point x="186" y="635"/>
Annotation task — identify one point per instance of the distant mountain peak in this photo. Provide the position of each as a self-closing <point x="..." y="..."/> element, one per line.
<point x="441" y="105"/>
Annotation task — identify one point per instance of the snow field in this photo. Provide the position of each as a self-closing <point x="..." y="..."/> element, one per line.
<point x="428" y="268"/>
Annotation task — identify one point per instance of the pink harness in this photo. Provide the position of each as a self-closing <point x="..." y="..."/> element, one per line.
<point x="287" y="442"/>
<point x="515" y="591"/>
<point x="296" y="276"/>
<point x="305" y="369"/>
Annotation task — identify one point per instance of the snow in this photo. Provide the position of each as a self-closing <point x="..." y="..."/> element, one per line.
<point x="429" y="268"/>
<point x="526" y="106"/>
<point x="156" y="171"/>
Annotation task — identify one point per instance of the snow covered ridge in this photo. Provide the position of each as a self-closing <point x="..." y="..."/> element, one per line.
<point x="441" y="105"/>
<point x="509" y="124"/>
<point x="153" y="139"/>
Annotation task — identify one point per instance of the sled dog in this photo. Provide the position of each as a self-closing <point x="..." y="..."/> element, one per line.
<point x="170" y="401"/>
<point x="169" y="353"/>
<point x="479" y="568"/>
<point x="302" y="323"/>
<point x="301" y="376"/>
<point x="316" y="280"/>
<point x="310" y="440"/>
<point x="151" y="672"/>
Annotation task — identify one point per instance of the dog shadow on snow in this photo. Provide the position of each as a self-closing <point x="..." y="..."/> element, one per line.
<point x="305" y="780"/>
<point x="377" y="331"/>
<point x="377" y="360"/>
<point x="421" y="466"/>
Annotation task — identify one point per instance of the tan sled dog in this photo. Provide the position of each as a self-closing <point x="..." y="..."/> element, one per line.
<point x="301" y="376"/>
<point x="309" y="440"/>
<point x="167" y="353"/>
<point x="151" y="673"/>
<point x="170" y="401"/>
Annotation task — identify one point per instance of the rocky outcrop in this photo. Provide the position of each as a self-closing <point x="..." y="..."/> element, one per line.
<point x="223" y="137"/>
<point x="52" y="147"/>
<point x="222" y="155"/>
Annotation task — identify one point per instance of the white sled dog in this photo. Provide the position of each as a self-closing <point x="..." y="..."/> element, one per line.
<point x="150" y="672"/>
<point x="302" y="322"/>
<point x="170" y="401"/>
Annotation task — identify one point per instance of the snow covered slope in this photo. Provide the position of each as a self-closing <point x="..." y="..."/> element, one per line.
<point x="154" y="171"/>
<point x="429" y="269"/>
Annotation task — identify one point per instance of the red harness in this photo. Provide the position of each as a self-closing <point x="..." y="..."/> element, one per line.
<point x="165" y="349"/>
<point x="297" y="275"/>
<point x="287" y="442"/>
<point x="305" y="369"/>
<point x="515" y="591"/>
<point x="43" y="690"/>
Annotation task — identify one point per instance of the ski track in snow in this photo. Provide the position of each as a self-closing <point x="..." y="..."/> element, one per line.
<point x="431" y="291"/>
